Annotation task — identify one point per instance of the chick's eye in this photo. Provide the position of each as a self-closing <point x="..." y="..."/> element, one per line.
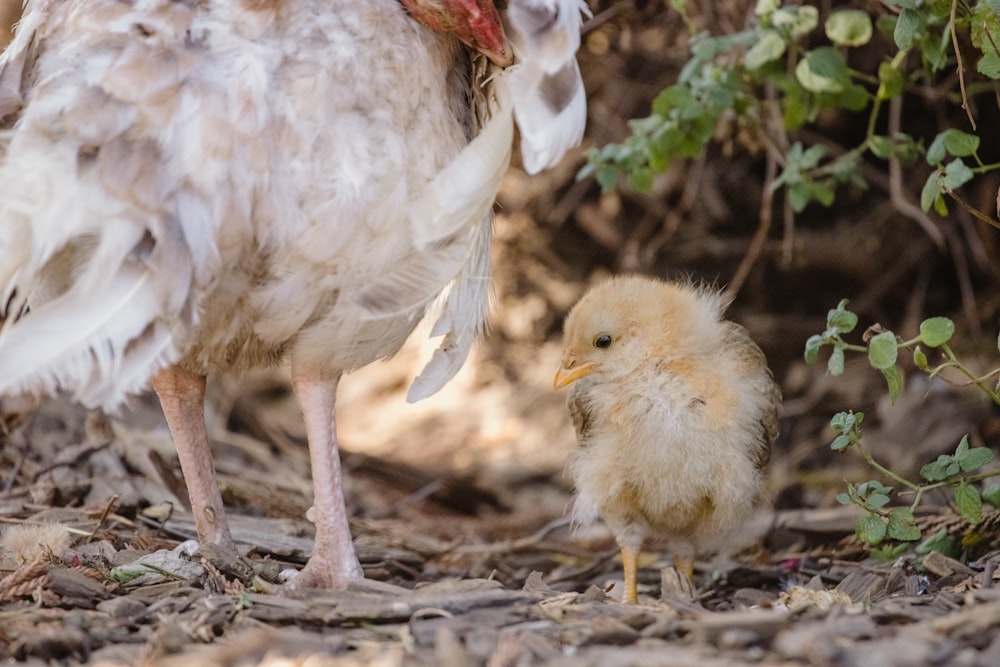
<point x="603" y="341"/>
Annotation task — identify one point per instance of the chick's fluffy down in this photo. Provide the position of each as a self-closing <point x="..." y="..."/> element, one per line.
<point x="675" y="417"/>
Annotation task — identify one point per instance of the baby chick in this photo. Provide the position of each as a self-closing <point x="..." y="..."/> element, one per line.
<point x="675" y="410"/>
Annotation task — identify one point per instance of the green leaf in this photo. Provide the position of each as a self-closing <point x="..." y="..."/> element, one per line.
<point x="883" y="350"/>
<point x="880" y="146"/>
<point x="989" y="65"/>
<point x="796" y="20"/>
<point x="799" y="195"/>
<point x="811" y="157"/>
<point x="919" y="358"/>
<point x="906" y="148"/>
<point x="672" y="97"/>
<point x="955" y="142"/>
<point x="956" y="174"/>
<point x="888" y="553"/>
<point x="960" y="144"/>
<point x="936" y="331"/>
<point x="886" y="24"/>
<point x="871" y="529"/>
<point x="841" y="442"/>
<point x="768" y="48"/>
<point x="875" y="486"/>
<point x="941" y="542"/>
<point x="843" y="422"/>
<point x="823" y="70"/>
<point x="891" y="81"/>
<point x="937" y="470"/>
<point x="840" y="319"/>
<point x="941" y="207"/>
<point x="845" y="499"/>
<point x="936" y="51"/>
<point x="766" y="7"/>
<point x="823" y="192"/>
<point x="894" y="381"/>
<point x="813" y="344"/>
<point x="969" y="503"/>
<point x="991" y="494"/>
<point x="974" y="458"/>
<point x="931" y="192"/>
<point x="849" y="27"/>
<point x="908" y="25"/>
<point x="902" y="526"/>
<point x="641" y="180"/>
<point x="607" y="177"/>
<point x="876" y="501"/>
<point x="835" y="366"/>
<point x="962" y="448"/>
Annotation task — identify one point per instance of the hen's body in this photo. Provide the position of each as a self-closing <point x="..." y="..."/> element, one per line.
<point x="195" y="186"/>
<point x="227" y="182"/>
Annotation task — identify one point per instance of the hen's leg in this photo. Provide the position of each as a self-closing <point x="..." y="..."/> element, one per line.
<point x="333" y="563"/>
<point x="182" y="396"/>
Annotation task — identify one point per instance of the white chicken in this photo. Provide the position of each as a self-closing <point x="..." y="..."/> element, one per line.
<point x="188" y="188"/>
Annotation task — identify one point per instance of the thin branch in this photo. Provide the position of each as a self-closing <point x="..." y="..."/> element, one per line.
<point x="976" y="213"/>
<point x="767" y="200"/>
<point x="763" y="227"/>
<point x="896" y="193"/>
<point x="959" y="64"/>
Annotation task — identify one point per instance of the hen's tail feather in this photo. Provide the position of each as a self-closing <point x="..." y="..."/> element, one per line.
<point x="463" y="191"/>
<point x="550" y="103"/>
<point x="81" y="342"/>
<point x="467" y="302"/>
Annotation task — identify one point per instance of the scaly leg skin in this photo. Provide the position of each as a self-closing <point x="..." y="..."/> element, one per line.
<point x="685" y="565"/>
<point x="182" y="397"/>
<point x="630" y="563"/>
<point x="333" y="563"/>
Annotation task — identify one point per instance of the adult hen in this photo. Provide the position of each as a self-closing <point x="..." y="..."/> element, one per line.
<point x="191" y="187"/>
<point x="675" y="410"/>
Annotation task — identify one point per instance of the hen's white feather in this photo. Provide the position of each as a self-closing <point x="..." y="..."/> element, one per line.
<point x="550" y="103"/>
<point x="222" y="184"/>
<point x="466" y="188"/>
<point x="80" y="339"/>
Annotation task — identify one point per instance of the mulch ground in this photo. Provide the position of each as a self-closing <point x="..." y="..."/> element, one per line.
<point x="92" y="572"/>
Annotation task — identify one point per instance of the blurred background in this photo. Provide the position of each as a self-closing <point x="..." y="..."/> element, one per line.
<point x="492" y="444"/>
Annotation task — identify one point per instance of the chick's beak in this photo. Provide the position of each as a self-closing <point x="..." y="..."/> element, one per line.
<point x="569" y="372"/>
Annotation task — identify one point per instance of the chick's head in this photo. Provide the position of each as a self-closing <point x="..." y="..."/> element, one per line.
<point x="629" y="321"/>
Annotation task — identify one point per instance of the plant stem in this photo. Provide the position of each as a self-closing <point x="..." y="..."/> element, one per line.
<point x="870" y="460"/>
<point x="994" y="396"/>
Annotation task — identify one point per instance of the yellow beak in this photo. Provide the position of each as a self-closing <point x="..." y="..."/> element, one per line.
<point x="565" y="376"/>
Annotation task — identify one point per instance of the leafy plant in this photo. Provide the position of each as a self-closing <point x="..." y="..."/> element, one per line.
<point x="956" y="471"/>
<point x="883" y="348"/>
<point x="771" y="81"/>
<point x="960" y="472"/>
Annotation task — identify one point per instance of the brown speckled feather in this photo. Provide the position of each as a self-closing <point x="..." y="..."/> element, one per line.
<point x="737" y="341"/>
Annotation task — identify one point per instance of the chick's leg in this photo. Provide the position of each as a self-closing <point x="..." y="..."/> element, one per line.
<point x="685" y="565"/>
<point x="182" y="396"/>
<point x="333" y="563"/>
<point x="630" y="563"/>
<point x="630" y="541"/>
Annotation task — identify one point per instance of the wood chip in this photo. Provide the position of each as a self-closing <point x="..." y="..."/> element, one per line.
<point x="941" y="565"/>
